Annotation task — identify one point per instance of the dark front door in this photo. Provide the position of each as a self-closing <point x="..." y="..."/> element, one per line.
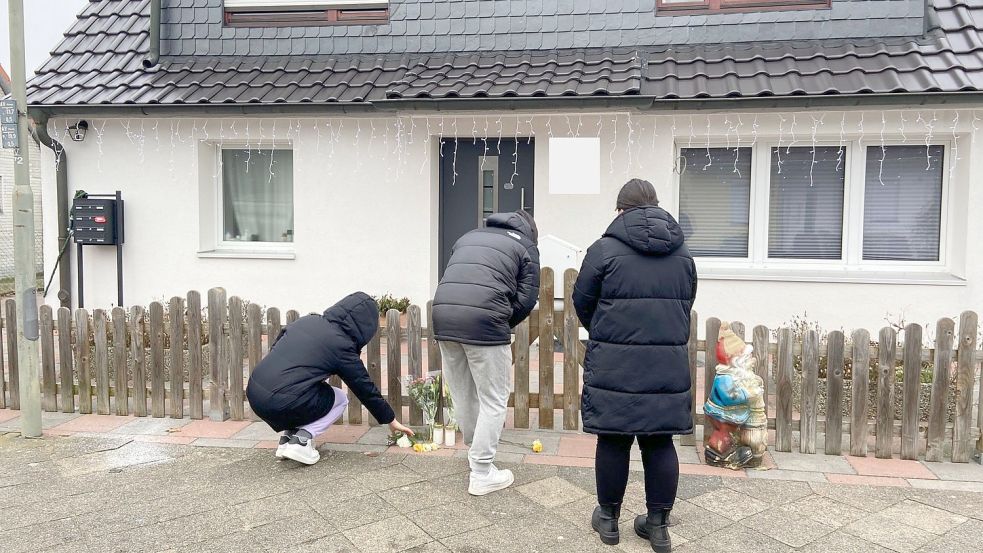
<point x="478" y="178"/>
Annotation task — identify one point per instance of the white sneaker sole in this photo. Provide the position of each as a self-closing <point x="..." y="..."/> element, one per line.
<point x="479" y="491"/>
<point x="279" y="452"/>
<point x="301" y="456"/>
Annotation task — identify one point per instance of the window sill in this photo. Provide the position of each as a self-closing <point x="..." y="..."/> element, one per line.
<point x="247" y="254"/>
<point x="848" y="276"/>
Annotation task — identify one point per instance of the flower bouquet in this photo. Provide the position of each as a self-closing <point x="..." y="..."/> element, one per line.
<point x="425" y="392"/>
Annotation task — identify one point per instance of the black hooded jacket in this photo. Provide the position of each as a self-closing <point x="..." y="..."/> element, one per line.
<point x="634" y="294"/>
<point x="288" y="389"/>
<point x="491" y="283"/>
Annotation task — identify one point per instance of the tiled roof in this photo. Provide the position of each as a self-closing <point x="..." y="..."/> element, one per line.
<point x="948" y="58"/>
<point x="99" y="62"/>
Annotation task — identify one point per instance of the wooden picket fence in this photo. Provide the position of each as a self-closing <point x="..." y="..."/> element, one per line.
<point x="123" y="361"/>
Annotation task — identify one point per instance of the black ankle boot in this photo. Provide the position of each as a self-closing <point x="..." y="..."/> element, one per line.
<point x="655" y="529"/>
<point x="605" y="522"/>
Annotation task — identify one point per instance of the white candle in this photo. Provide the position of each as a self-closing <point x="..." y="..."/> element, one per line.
<point x="450" y="437"/>
<point x="438" y="435"/>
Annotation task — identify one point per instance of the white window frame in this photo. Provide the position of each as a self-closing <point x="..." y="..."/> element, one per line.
<point x="214" y="243"/>
<point x="286" y="5"/>
<point x="758" y="265"/>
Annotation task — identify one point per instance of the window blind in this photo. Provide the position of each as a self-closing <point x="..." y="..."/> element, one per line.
<point x="715" y="200"/>
<point x="806" y="202"/>
<point x="903" y="203"/>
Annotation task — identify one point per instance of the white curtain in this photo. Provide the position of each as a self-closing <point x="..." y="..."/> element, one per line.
<point x="258" y="195"/>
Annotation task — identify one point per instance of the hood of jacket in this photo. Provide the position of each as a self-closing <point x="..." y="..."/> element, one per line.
<point x="517" y="221"/>
<point x="356" y="314"/>
<point x="649" y="230"/>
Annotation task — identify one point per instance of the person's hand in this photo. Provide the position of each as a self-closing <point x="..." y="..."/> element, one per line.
<point x="397" y="426"/>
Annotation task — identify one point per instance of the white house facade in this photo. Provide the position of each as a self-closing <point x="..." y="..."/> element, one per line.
<point x="849" y="217"/>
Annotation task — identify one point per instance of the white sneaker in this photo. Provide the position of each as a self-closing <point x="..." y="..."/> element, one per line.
<point x="284" y="440"/>
<point x="484" y="484"/>
<point x="302" y="452"/>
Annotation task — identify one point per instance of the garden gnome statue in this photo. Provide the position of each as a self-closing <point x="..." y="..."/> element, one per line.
<point x="736" y="407"/>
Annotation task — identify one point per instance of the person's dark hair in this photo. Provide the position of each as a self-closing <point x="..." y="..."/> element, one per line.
<point x="532" y="224"/>
<point x="636" y="193"/>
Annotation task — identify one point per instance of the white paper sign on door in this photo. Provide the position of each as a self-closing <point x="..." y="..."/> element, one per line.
<point x="575" y="165"/>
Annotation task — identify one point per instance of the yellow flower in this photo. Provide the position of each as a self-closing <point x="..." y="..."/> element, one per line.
<point x="418" y="448"/>
<point x="537" y="446"/>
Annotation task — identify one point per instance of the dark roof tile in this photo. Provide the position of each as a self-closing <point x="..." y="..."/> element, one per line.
<point x="100" y="60"/>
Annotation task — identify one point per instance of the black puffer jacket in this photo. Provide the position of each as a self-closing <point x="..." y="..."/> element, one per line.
<point x="288" y="389"/>
<point x="634" y="294"/>
<point x="491" y="283"/>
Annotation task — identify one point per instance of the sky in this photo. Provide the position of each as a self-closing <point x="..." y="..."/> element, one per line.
<point x="45" y="21"/>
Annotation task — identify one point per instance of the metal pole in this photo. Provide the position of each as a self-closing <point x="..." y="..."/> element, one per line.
<point x="25" y="281"/>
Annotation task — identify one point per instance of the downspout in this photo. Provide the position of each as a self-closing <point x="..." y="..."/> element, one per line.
<point x="64" y="259"/>
<point x="153" y="55"/>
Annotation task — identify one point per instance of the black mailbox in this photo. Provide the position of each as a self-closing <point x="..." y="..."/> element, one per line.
<point x="97" y="221"/>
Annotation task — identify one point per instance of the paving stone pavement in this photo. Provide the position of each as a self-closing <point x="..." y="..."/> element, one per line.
<point x="113" y="493"/>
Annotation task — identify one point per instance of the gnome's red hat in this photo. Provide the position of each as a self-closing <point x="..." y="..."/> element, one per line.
<point x="729" y="345"/>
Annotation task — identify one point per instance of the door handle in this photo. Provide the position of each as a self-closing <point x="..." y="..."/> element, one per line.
<point x="522" y="198"/>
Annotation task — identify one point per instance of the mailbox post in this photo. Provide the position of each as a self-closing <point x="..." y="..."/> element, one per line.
<point x="97" y="220"/>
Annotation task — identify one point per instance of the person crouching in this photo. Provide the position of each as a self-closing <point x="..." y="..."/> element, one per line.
<point x="288" y="391"/>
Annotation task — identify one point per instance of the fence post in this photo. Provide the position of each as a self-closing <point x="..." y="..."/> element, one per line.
<point x="196" y="399"/>
<point x="292" y="316"/>
<point x="546" y="337"/>
<point x="709" y="368"/>
<point x="119" y="361"/>
<point x="218" y="378"/>
<point x="783" y="421"/>
<point x="274" y="326"/>
<point x="49" y="384"/>
<point x="176" y="333"/>
<point x="138" y="352"/>
<point x="394" y="359"/>
<point x="13" y="381"/>
<point x="692" y="351"/>
<point x="861" y="384"/>
<point x="834" y="392"/>
<point x="965" y="380"/>
<point x="571" y="366"/>
<point x="157" y="408"/>
<point x="65" y="358"/>
<point x="938" y="414"/>
<point x="414" y="356"/>
<point x="236" y="398"/>
<point x="373" y="359"/>
<point x="810" y="388"/>
<point x="520" y="410"/>
<point x="82" y="360"/>
<point x="912" y="388"/>
<point x="761" y="340"/>
<point x="254" y="333"/>
<point x="101" y="358"/>
<point x="886" y="366"/>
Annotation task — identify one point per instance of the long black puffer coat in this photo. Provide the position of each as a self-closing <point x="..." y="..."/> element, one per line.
<point x="491" y="283"/>
<point x="288" y="389"/>
<point x="634" y="294"/>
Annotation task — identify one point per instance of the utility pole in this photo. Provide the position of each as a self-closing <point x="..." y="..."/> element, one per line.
<point x="25" y="280"/>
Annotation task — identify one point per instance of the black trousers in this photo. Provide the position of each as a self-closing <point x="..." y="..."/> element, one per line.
<point x="658" y="458"/>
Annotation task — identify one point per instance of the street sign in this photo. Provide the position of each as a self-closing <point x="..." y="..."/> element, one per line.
<point x="8" y="124"/>
<point x="8" y="112"/>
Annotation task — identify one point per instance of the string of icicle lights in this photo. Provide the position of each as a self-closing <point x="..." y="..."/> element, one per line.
<point x="630" y="141"/>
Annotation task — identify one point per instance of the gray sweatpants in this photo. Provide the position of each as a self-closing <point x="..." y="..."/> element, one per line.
<point x="478" y="377"/>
